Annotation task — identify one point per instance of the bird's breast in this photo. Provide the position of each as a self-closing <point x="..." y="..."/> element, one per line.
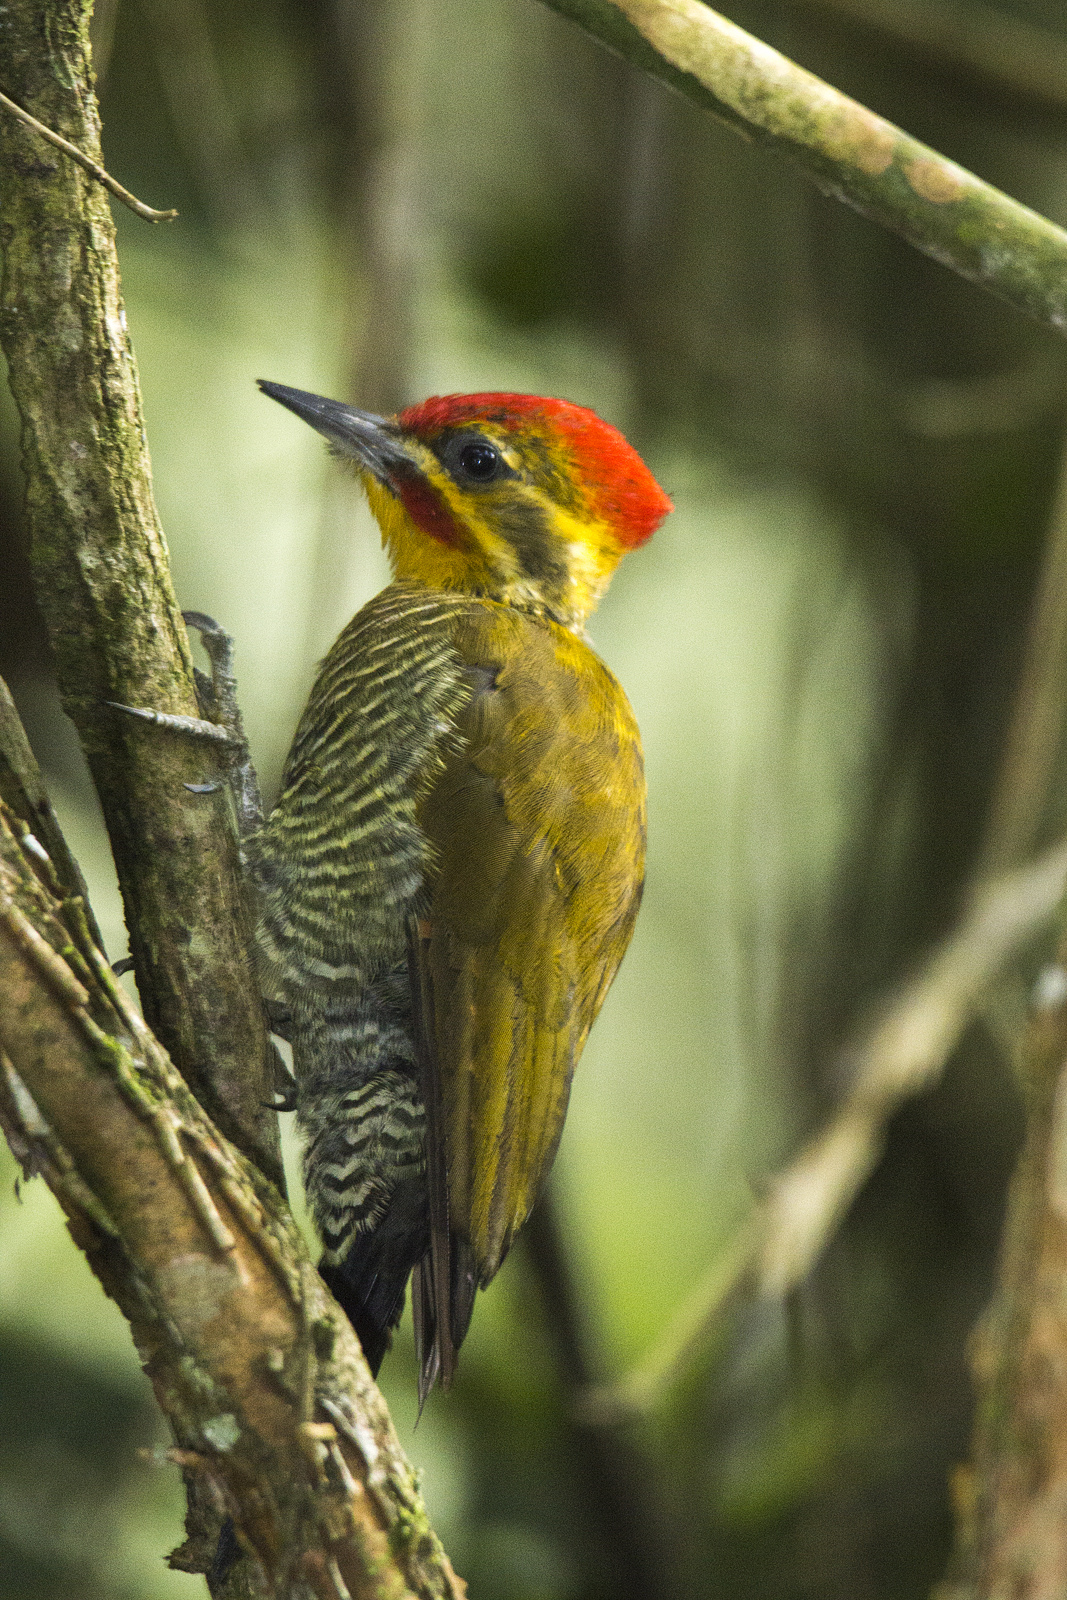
<point x="441" y="731"/>
<point x="341" y="860"/>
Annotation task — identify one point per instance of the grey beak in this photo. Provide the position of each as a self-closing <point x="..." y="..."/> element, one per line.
<point x="375" y="442"/>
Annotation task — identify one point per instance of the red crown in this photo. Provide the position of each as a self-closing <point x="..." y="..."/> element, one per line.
<point x="621" y="489"/>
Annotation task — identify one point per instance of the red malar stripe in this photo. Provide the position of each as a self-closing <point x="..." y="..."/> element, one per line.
<point x="428" y="511"/>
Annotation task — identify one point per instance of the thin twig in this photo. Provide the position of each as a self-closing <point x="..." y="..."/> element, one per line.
<point x="51" y="967"/>
<point x="93" y="168"/>
<point x="901" y="1054"/>
<point x="168" y="1130"/>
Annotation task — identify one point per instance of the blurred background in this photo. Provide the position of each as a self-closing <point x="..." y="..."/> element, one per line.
<point x="383" y="199"/>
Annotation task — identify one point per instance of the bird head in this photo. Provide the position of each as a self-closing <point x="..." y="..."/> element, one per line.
<point x="519" y="498"/>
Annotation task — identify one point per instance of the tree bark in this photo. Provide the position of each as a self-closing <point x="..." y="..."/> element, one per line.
<point x="273" y="1409"/>
<point x="277" y="1421"/>
<point x="101" y="575"/>
<point x="847" y="150"/>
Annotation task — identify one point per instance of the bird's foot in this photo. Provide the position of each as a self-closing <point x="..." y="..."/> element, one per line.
<point x="197" y="727"/>
<point x="219" y="723"/>
<point x="216" y="693"/>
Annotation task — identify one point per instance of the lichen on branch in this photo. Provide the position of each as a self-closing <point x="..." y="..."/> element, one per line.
<point x="258" y="1371"/>
<point x="102" y="579"/>
<point x="848" y="150"/>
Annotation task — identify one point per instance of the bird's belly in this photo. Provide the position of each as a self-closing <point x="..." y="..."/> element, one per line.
<point x="359" y="1107"/>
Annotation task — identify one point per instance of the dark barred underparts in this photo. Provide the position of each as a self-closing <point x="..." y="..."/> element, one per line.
<point x="340" y="867"/>
<point x="341" y="860"/>
<point x="362" y="1117"/>
<point x="361" y="1110"/>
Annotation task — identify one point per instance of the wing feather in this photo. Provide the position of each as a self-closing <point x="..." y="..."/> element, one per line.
<point x="537" y="829"/>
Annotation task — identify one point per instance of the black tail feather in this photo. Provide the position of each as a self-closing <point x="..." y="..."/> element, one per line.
<point x="424" y="1323"/>
<point x="369" y="1286"/>
<point x="374" y="1326"/>
<point x="424" y="1304"/>
<point x="463" y="1289"/>
<point x="369" y="1283"/>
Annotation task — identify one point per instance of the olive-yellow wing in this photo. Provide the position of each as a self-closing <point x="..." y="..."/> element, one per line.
<point x="537" y="824"/>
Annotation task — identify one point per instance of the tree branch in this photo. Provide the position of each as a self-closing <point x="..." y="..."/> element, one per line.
<point x="1011" y="1535"/>
<point x="100" y="567"/>
<point x="22" y="790"/>
<point x="848" y="151"/>
<point x="901" y="1054"/>
<point x="93" y="168"/>
<point x="255" y="1366"/>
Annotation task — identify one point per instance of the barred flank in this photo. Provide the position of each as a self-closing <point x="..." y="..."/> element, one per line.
<point x="339" y="866"/>
<point x="341" y="859"/>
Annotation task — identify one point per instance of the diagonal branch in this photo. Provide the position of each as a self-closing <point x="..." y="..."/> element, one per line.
<point x="22" y="790"/>
<point x="902" y="1053"/>
<point x="257" y="1369"/>
<point x="847" y="150"/>
<point x="93" y="168"/>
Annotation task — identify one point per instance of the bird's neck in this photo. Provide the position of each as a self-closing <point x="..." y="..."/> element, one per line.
<point x="564" y="578"/>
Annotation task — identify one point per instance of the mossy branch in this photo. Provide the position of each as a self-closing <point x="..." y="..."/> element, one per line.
<point x="847" y="150"/>
<point x="276" y="1420"/>
<point x="100" y="567"/>
<point x="260" y="1374"/>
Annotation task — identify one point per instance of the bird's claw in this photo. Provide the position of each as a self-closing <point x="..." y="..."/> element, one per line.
<point x="220" y="722"/>
<point x="218" y="693"/>
<point x="195" y="726"/>
<point x="213" y="634"/>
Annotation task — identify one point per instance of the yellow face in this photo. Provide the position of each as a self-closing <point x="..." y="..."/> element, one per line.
<point x="518" y="527"/>
<point x="528" y="500"/>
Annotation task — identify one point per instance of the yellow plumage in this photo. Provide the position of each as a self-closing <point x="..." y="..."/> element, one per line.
<point x="538" y="832"/>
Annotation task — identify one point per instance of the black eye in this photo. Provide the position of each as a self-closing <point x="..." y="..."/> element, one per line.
<point x="479" y="461"/>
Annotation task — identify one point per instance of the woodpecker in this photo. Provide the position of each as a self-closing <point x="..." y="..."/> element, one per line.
<point x="450" y="876"/>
